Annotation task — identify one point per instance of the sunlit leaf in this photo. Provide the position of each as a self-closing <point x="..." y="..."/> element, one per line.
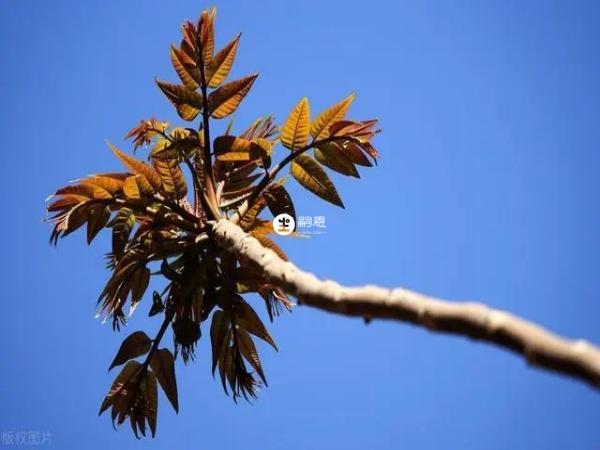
<point x="320" y="127"/>
<point x="218" y="69"/>
<point x="112" y="185"/>
<point x="226" y="99"/>
<point x="188" y="74"/>
<point x="188" y="103"/>
<point x="231" y="148"/>
<point x="85" y="189"/>
<point x="173" y="180"/>
<point x="131" y="188"/>
<point x="138" y="167"/>
<point x="206" y="28"/>
<point x="294" y="134"/>
<point x="122" y="226"/>
<point x="309" y="174"/>
<point x="146" y="131"/>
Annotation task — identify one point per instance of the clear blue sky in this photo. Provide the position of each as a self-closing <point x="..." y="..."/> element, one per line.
<point x="487" y="189"/>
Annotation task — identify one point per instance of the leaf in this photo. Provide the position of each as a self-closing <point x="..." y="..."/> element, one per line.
<point x="139" y="283"/>
<point x="98" y="217"/>
<point x="218" y="69"/>
<point x="189" y="41"/>
<point x="331" y="155"/>
<point x="189" y="75"/>
<point x="231" y="148"/>
<point x="150" y="394"/>
<point x="294" y="134"/>
<point x="112" y="185"/>
<point x="206" y="29"/>
<point x="163" y="366"/>
<point x="146" y="131"/>
<point x="226" y="99"/>
<point x="252" y="212"/>
<point x="134" y="345"/>
<point x="130" y="370"/>
<point x="188" y="103"/>
<point x="182" y="143"/>
<point x="66" y="201"/>
<point x="75" y="219"/>
<point x="279" y="200"/>
<point x="355" y="154"/>
<point x="157" y="304"/>
<point x="311" y="176"/>
<point x="173" y="180"/>
<point x="131" y="189"/>
<point x="218" y="331"/>
<point x="85" y="189"/>
<point x="320" y="127"/>
<point x="138" y="167"/>
<point x="248" y="319"/>
<point x="248" y="350"/>
<point x="122" y="225"/>
<point x="263" y="127"/>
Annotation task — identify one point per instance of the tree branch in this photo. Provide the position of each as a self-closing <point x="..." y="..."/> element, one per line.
<point x="538" y="346"/>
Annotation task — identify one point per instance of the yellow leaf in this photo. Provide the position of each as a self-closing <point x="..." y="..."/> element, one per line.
<point x="294" y="134"/>
<point x="231" y="148"/>
<point x="138" y="167"/>
<point x="225" y="100"/>
<point x="84" y="189"/>
<point x="320" y="127"/>
<point x="219" y="67"/>
<point x="311" y="176"/>
<point x="110" y="184"/>
<point x="131" y="189"/>
<point x="187" y="102"/>
<point x="187" y="74"/>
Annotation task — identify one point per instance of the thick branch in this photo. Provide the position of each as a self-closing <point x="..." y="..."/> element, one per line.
<point x="540" y="347"/>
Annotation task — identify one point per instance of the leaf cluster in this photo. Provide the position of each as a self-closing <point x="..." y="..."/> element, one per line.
<point x="160" y="211"/>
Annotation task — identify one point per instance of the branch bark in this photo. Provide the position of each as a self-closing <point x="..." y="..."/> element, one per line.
<point x="540" y="347"/>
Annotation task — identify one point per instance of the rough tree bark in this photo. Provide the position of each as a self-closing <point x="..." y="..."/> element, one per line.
<point x="539" y="347"/>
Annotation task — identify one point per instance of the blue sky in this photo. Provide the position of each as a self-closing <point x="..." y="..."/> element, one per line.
<point x="487" y="189"/>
